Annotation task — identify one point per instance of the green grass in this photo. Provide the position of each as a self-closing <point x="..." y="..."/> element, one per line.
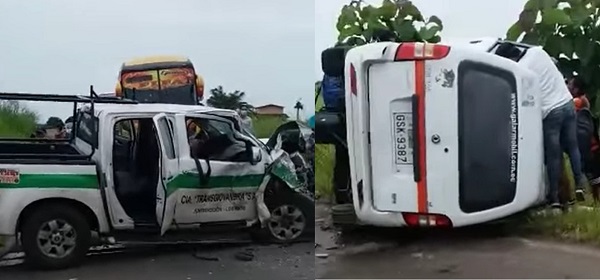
<point x="579" y="225"/>
<point x="264" y="126"/>
<point x="324" y="162"/>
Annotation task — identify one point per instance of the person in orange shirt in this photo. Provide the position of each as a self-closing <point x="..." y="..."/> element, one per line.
<point x="577" y="88"/>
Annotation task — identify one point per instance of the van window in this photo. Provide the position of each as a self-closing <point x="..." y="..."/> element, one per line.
<point x="87" y="129"/>
<point x="488" y="118"/>
<point x="164" y="128"/>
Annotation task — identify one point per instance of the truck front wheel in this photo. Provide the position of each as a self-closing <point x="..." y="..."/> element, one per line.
<point x="55" y="237"/>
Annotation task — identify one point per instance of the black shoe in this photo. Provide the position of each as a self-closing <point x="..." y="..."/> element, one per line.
<point x="580" y="195"/>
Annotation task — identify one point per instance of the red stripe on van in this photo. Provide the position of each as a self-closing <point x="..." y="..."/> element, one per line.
<point x="422" y="203"/>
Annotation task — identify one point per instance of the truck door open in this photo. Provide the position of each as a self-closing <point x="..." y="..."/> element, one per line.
<point x="165" y="201"/>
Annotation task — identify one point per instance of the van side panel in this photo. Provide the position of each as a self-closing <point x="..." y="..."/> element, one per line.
<point x="487" y="129"/>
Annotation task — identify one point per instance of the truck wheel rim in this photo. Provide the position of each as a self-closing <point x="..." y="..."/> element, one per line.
<point x="287" y="223"/>
<point x="56" y="239"/>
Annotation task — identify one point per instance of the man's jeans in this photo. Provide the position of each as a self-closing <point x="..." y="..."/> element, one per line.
<point x="560" y="134"/>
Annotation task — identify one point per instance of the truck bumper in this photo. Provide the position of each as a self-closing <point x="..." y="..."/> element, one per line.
<point x="9" y="244"/>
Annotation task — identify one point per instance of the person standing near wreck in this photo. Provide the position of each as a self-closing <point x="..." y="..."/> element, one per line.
<point x="559" y="117"/>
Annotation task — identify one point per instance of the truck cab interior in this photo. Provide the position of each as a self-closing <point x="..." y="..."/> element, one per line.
<point x="136" y="167"/>
<point x="212" y="139"/>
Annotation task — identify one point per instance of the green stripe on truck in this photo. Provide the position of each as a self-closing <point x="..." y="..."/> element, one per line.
<point x="89" y="181"/>
<point x="191" y="181"/>
<point x="68" y="181"/>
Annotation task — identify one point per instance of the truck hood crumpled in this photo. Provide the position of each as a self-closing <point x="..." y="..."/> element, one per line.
<point x="283" y="168"/>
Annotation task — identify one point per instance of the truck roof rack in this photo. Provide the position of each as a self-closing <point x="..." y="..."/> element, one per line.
<point x="91" y="98"/>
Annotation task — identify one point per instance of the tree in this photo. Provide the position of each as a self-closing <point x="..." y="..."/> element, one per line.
<point x="228" y="100"/>
<point x="395" y="20"/>
<point x="298" y="106"/>
<point x="567" y="29"/>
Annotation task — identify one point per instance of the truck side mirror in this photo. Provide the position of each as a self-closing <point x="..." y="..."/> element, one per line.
<point x="256" y="155"/>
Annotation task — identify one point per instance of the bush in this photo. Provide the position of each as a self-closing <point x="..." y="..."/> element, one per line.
<point x="16" y="120"/>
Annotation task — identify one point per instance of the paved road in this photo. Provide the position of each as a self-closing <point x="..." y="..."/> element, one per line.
<point x="482" y="252"/>
<point x="270" y="262"/>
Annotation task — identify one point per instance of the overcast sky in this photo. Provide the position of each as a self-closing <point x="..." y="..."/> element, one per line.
<point x="63" y="46"/>
<point x="462" y="19"/>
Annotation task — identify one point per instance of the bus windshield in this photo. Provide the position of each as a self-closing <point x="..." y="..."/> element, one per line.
<point x="169" y="85"/>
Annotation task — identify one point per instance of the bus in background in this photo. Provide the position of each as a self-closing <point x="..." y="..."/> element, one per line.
<point x="160" y="79"/>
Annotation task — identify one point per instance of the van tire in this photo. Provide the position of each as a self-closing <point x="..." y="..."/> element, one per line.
<point x="290" y="200"/>
<point x="47" y="219"/>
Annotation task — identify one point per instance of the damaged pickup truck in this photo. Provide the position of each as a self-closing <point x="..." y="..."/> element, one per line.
<point x="128" y="175"/>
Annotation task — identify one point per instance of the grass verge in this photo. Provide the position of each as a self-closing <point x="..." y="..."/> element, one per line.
<point x="324" y="162"/>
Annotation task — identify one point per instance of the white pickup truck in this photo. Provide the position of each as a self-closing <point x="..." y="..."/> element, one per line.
<point x="129" y="174"/>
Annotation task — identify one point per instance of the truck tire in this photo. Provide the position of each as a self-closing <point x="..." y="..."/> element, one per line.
<point x="55" y="237"/>
<point x="292" y="217"/>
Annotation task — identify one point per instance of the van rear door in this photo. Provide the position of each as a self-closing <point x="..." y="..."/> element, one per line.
<point x="445" y="129"/>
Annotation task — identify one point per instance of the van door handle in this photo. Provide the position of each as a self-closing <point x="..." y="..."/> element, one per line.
<point x="415" y="136"/>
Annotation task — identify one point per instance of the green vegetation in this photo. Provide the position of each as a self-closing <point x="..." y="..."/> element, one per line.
<point x="324" y="157"/>
<point x="264" y="126"/>
<point x="568" y="31"/>
<point x="581" y="224"/>
<point x="16" y="120"/>
<point x="394" y="20"/>
<point x="219" y="98"/>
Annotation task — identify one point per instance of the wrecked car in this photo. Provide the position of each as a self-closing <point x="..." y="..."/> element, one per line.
<point x="298" y="141"/>
<point x="128" y="175"/>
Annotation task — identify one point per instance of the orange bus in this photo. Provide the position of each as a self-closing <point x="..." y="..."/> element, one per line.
<point x="160" y="79"/>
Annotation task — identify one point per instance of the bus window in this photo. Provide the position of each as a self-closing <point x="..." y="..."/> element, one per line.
<point x="176" y="77"/>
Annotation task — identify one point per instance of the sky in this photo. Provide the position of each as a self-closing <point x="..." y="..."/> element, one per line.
<point x="64" y="46"/>
<point x="463" y="20"/>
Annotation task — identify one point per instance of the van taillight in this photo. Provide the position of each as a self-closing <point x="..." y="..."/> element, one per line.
<point x="421" y="51"/>
<point x="426" y="220"/>
<point x="352" y="79"/>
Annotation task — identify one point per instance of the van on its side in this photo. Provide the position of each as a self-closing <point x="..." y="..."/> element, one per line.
<point x="441" y="135"/>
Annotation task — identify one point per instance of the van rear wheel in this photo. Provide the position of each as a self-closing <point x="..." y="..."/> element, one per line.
<point x="55" y="237"/>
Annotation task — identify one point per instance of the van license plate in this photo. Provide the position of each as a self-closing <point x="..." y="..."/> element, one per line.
<point x="403" y="142"/>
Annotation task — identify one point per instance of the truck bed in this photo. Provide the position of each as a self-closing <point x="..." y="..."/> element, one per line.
<point x="39" y="150"/>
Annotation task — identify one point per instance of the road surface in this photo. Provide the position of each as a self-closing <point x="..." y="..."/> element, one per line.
<point x="270" y="262"/>
<point x="482" y="252"/>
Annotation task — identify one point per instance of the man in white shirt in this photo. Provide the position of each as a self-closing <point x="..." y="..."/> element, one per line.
<point x="559" y="119"/>
<point x="246" y="121"/>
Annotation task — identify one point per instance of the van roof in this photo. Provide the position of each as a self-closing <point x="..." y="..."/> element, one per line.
<point x="154" y="108"/>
